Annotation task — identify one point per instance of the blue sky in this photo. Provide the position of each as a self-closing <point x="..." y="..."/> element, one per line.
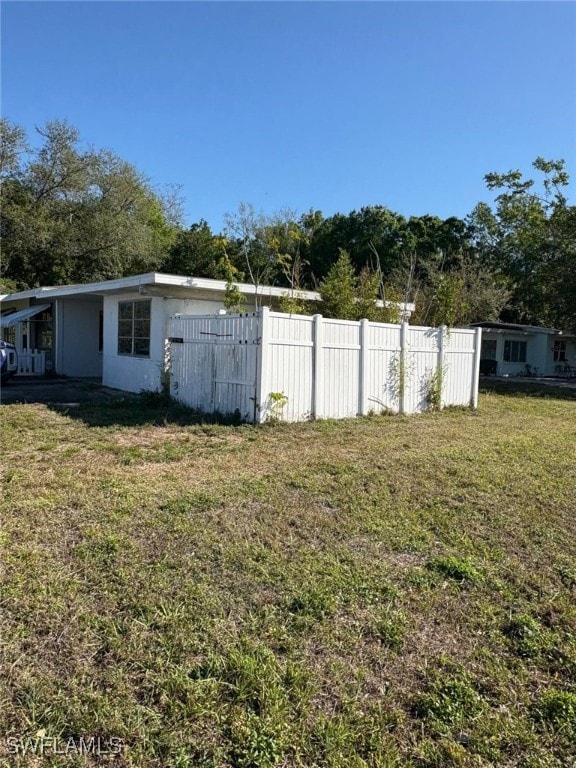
<point x="330" y="105"/>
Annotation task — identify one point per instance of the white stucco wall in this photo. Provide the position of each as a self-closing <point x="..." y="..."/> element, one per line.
<point x="77" y="329"/>
<point x="135" y="374"/>
<point x="538" y="351"/>
<point x="514" y="369"/>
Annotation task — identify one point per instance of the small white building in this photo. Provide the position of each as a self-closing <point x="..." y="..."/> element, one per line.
<point x="116" y="330"/>
<point x="510" y="349"/>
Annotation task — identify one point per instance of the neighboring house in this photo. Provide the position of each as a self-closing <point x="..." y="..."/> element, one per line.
<point x="512" y="350"/>
<point x="115" y="329"/>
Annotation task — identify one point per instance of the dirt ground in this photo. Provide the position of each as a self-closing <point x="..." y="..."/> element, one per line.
<point x="40" y="390"/>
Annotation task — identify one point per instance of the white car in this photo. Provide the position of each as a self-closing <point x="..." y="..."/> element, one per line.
<point x="8" y="361"/>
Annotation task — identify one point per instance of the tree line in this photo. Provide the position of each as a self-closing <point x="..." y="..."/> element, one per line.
<point x="72" y="214"/>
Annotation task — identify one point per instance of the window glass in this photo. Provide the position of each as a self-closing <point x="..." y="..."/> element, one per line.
<point x="560" y="351"/>
<point x="134" y="328"/>
<point x="522" y="351"/>
<point x="125" y="310"/>
<point x="142" y="347"/>
<point x="125" y="328"/>
<point x="41" y="327"/>
<point x="142" y="309"/>
<point x="44" y="335"/>
<point x="515" y="351"/>
<point x="142" y="328"/>
<point x="124" y="346"/>
<point x="489" y="349"/>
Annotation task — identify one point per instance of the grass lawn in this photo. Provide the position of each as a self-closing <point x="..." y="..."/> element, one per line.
<point x="387" y="591"/>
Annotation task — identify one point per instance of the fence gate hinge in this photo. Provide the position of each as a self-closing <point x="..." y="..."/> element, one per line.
<point x="176" y="339"/>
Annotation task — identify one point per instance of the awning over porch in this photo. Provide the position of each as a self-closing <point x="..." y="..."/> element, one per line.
<point x="7" y="321"/>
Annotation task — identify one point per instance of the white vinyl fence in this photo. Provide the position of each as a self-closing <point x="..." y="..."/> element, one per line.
<point x="291" y="367"/>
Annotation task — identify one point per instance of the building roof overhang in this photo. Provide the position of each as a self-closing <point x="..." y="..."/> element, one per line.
<point x="159" y="284"/>
<point x="9" y="320"/>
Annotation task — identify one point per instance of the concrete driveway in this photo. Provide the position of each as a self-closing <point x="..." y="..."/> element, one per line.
<point x="46" y="391"/>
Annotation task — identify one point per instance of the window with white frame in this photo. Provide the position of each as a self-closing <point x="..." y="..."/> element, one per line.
<point x="515" y="351"/>
<point x="559" y="351"/>
<point x="134" y="328"/>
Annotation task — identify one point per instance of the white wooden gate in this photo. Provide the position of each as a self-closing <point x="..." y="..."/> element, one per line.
<point x="213" y="362"/>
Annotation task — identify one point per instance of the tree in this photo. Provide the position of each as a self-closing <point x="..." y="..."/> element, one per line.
<point x="467" y="292"/>
<point x="248" y="229"/>
<point x="338" y="289"/>
<point x="530" y="239"/>
<point x="357" y="233"/>
<point x="269" y="246"/>
<point x="74" y="215"/>
<point x="12" y="145"/>
<point x="408" y="249"/>
<point x="350" y="296"/>
<point x="234" y="300"/>
<point x="197" y="251"/>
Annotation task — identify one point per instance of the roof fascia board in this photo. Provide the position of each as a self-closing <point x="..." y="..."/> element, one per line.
<point x="510" y="332"/>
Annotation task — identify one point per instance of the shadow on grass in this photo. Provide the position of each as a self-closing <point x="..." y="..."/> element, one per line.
<point x="522" y="388"/>
<point x="145" y="409"/>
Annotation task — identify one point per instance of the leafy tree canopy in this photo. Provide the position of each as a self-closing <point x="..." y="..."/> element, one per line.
<point x="198" y="251"/>
<point x="351" y="296"/>
<point x="71" y="214"/>
<point x="529" y="237"/>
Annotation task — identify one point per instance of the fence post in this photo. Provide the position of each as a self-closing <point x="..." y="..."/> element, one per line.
<point x="317" y="367"/>
<point x="440" y="363"/>
<point x="402" y="369"/>
<point x="261" y="383"/>
<point x="363" y="368"/>
<point x="476" y="367"/>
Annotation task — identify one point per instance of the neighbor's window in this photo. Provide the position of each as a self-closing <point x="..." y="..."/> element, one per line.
<point x="560" y="351"/>
<point x="488" y="349"/>
<point x="134" y="328"/>
<point x="515" y="351"/>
